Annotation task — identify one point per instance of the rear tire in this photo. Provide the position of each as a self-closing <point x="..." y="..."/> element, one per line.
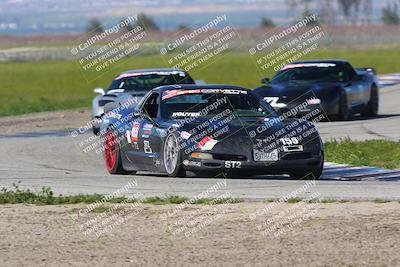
<point x="172" y="156"/>
<point x="344" y="112"/>
<point x="96" y="125"/>
<point x="112" y="153"/>
<point x="373" y="104"/>
<point x="96" y="130"/>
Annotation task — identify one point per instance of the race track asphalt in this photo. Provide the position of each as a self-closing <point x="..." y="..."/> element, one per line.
<point x="57" y="160"/>
<point x="385" y="126"/>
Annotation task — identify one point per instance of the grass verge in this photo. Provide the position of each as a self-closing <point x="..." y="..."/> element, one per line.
<point x="376" y="153"/>
<point x="46" y="197"/>
<point x="381" y="201"/>
<point x="54" y="85"/>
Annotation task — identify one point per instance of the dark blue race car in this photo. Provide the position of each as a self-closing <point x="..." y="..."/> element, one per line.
<point x="208" y="129"/>
<point x="331" y="85"/>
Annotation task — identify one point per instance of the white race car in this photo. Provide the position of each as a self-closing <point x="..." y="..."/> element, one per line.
<point x="131" y="86"/>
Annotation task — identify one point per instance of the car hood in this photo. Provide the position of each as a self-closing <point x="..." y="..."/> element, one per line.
<point x="252" y="128"/>
<point x="121" y="93"/>
<point x="240" y="137"/>
<point x="129" y="98"/>
<point x="295" y="89"/>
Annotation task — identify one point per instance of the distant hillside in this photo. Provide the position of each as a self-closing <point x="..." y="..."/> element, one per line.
<point x="71" y="16"/>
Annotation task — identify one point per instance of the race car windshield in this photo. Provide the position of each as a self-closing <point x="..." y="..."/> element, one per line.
<point x="211" y="102"/>
<point x="311" y="73"/>
<point x="147" y="82"/>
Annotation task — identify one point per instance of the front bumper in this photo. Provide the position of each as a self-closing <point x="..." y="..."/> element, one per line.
<point x="300" y="109"/>
<point x="285" y="165"/>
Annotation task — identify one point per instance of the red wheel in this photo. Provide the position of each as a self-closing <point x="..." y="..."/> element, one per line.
<point x="112" y="154"/>
<point x="110" y="151"/>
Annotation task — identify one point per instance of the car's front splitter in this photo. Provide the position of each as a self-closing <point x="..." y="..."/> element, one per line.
<point x="252" y="167"/>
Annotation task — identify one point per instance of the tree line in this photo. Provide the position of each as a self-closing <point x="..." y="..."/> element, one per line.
<point x="355" y="12"/>
<point x="351" y="12"/>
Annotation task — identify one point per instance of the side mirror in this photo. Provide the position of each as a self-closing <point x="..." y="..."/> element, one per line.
<point x="142" y="114"/>
<point x="265" y="80"/>
<point x="99" y="91"/>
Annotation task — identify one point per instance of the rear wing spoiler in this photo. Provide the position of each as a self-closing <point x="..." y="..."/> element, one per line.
<point x="372" y="70"/>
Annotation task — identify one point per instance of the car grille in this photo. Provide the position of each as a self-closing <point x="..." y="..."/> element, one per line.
<point x="297" y="155"/>
<point x="229" y="157"/>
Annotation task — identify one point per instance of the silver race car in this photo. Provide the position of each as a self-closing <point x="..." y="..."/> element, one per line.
<point x="130" y="87"/>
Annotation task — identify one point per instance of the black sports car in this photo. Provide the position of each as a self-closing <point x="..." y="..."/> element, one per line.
<point x="210" y="128"/>
<point x="331" y="85"/>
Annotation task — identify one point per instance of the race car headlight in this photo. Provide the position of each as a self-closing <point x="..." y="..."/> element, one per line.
<point x="199" y="155"/>
<point x="314" y="101"/>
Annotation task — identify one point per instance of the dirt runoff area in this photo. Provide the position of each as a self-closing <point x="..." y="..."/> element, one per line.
<point x="46" y="121"/>
<point x="251" y="234"/>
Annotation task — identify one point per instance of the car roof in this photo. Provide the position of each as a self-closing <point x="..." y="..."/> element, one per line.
<point x="333" y="61"/>
<point x="152" y="70"/>
<point x="164" y="88"/>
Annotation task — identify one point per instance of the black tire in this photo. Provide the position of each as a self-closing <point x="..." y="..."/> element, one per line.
<point x="96" y="125"/>
<point x="173" y="169"/>
<point x="96" y="130"/>
<point x="344" y="112"/>
<point x="114" y="167"/>
<point x="309" y="175"/>
<point x="373" y="104"/>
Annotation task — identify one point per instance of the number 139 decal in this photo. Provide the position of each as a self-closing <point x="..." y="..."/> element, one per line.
<point x="290" y="141"/>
